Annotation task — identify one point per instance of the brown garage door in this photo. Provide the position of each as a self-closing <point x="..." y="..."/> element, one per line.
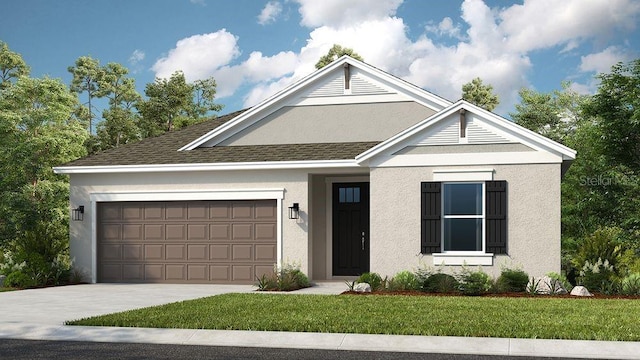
<point x="186" y="242"/>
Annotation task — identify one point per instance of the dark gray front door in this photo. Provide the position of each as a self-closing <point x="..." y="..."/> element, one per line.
<point x="350" y="228"/>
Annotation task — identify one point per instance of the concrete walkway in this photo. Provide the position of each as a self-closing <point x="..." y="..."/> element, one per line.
<point x="39" y="315"/>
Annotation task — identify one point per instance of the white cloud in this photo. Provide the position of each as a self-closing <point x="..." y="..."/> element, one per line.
<point x="198" y="2"/>
<point x="136" y="56"/>
<point x="538" y="24"/>
<point x="601" y="62"/>
<point x="446" y="27"/>
<point x="338" y="13"/>
<point x="269" y="13"/>
<point x="198" y="56"/>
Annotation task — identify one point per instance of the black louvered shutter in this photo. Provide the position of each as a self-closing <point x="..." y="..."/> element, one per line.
<point x="496" y="216"/>
<point x="431" y="215"/>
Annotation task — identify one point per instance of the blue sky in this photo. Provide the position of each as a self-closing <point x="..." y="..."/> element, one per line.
<point x="254" y="48"/>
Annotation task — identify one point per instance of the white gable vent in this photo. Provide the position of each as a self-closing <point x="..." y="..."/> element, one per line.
<point x="480" y="135"/>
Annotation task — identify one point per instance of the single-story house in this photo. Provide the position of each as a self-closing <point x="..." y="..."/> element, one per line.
<point x="348" y="170"/>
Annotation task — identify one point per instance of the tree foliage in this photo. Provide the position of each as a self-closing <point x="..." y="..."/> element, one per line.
<point x="12" y="66"/>
<point x="37" y="132"/>
<point x="87" y="75"/>
<point x="334" y="53"/>
<point x="479" y="94"/>
<point x="173" y="104"/>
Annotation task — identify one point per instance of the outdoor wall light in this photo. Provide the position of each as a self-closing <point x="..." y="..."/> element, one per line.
<point x="294" y="211"/>
<point x="78" y="213"/>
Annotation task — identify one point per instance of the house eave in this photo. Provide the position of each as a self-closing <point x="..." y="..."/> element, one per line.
<point x="263" y="165"/>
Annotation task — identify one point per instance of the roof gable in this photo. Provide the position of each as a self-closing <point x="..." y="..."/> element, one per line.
<point x="482" y="128"/>
<point x="327" y="86"/>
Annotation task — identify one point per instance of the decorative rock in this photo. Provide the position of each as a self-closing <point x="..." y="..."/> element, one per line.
<point x="546" y="285"/>
<point x="580" y="291"/>
<point x="2" y="277"/>
<point x="362" y="288"/>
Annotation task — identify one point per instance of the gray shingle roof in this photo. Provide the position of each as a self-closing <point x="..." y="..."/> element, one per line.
<point x="163" y="149"/>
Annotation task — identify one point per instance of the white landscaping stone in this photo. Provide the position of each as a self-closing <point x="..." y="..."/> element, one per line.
<point x="546" y="285"/>
<point x="580" y="291"/>
<point x="362" y="288"/>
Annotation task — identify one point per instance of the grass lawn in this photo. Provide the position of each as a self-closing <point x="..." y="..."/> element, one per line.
<point x="548" y="318"/>
<point x="2" y="289"/>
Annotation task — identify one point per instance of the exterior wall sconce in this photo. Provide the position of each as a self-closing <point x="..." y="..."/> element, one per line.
<point x="77" y="214"/>
<point x="294" y="211"/>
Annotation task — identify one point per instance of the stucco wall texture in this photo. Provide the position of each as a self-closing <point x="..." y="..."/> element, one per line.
<point x="533" y="219"/>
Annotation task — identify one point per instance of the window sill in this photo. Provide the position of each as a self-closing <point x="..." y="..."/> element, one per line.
<point x="463" y="259"/>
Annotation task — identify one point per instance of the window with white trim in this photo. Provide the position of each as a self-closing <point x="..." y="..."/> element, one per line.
<point x="462" y="217"/>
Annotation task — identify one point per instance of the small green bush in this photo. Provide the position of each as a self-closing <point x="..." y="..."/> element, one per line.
<point x="560" y="278"/>
<point x="440" y="283"/>
<point x="631" y="284"/>
<point x="18" y="279"/>
<point x="404" y="280"/>
<point x="474" y="282"/>
<point x="373" y="279"/>
<point x="287" y="278"/>
<point x="512" y="280"/>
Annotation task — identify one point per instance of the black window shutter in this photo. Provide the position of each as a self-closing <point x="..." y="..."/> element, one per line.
<point x="431" y="213"/>
<point x="496" y="216"/>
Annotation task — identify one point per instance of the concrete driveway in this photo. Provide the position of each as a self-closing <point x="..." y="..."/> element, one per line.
<point x="55" y="305"/>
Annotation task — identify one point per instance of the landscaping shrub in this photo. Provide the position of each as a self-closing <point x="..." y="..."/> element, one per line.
<point x="287" y="278"/>
<point x="440" y="283"/>
<point x="512" y="280"/>
<point x="560" y="278"/>
<point x="373" y="279"/>
<point x="603" y="244"/>
<point x="630" y="285"/>
<point x="474" y="282"/>
<point x="404" y="280"/>
<point x="598" y="276"/>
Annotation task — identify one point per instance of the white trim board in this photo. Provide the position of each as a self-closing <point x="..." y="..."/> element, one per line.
<point x="182" y="195"/>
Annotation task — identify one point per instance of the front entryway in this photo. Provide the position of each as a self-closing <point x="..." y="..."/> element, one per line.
<point x="350" y="228"/>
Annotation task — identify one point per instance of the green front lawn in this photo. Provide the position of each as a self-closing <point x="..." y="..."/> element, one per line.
<point x="549" y="318"/>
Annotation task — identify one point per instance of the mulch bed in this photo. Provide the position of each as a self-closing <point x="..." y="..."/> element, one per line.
<point x="518" y="295"/>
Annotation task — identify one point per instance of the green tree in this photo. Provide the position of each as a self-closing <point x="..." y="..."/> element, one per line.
<point x="37" y="132"/>
<point x="12" y="66"/>
<point x="479" y="94"/>
<point x="173" y="104"/>
<point x="334" y="53"/>
<point x="554" y="114"/>
<point x="119" y="125"/>
<point x="87" y="75"/>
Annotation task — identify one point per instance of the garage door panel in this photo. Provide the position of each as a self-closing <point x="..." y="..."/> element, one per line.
<point x="261" y="270"/>
<point x="176" y="272"/>
<point x="220" y="231"/>
<point x="132" y="232"/>
<point x="197" y="252"/>
<point x="242" y="252"/>
<point x="154" y="272"/>
<point x="132" y="212"/>
<point x="241" y="231"/>
<point x="153" y="252"/>
<point x="176" y="252"/>
<point x="243" y="273"/>
<point x="266" y="232"/>
<point x="220" y="273"/>
<point x="132" y="272"/>
<point x="265" y="252"/>
<point x="220" y="252"/>
<point x="198" y="272"/>
<point x="197" y="232"/>
<point x="132" y="252"/>
<point x="153" y="211"/>
<point x="175" y="211"/>
<point x="186" y="242"/>
<point x="111" y="252"/>
<point x="154" y="232"/>
<point x="176" y="231"/>
<point x="111" y="232"/>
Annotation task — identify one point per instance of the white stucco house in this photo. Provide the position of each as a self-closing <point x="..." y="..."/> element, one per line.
<point x="346" y="171"/>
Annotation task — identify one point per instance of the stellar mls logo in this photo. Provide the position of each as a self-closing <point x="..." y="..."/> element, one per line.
<point x="599" y="180"/>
